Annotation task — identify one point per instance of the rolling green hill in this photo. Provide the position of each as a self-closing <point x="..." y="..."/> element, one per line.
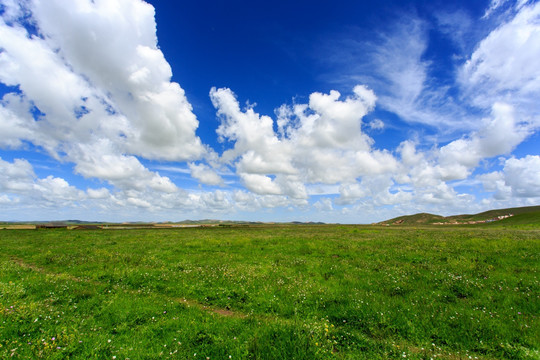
<point x="524" y="219"/>
<point x="421" y="218"/>
<point x="512" y="216"/>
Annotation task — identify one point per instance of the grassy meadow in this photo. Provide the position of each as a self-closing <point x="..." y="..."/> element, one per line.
<point x="271" y="292"/>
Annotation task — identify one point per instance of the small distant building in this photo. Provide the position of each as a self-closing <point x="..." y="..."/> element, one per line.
<point x="51" y="226"/>
<point x="87" y="227"/>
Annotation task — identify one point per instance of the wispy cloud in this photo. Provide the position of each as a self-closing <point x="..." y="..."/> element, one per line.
<point x="393" y="63"/>
<point x="503" y="68"/>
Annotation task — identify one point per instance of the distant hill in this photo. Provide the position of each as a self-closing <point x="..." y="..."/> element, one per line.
<point x="510" y="216"/>
<point x="75" y="224"/>
<point x="421" y="218"/>
<point x="214" y="221"/>
<point x="54" y="222"/>
<point x="524" y="219"/>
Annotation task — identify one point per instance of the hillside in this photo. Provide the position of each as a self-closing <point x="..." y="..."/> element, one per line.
<point x="524" y="219"/>
<point x="509" y="216"/>
<point x="421" y="218"/>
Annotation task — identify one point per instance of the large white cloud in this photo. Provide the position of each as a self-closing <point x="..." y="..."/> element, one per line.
<point x="120" y="55"/>
<point x="256" y="143"/>
<point x="324" y="143"/>
<point x="318" y="142"/>
<point x="504" y="66"/>
<point x="499" y="135"/>
<point x="102" y="87"/>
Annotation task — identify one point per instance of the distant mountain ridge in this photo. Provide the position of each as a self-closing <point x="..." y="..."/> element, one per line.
<point x="529" y="215"/>
<point x="519" y="215"/>
<point x="148" y="224"/>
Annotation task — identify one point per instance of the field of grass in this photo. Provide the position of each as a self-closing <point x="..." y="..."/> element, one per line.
<point x="271" y="292"/>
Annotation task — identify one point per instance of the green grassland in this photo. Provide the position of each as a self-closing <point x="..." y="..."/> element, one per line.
<point x="272" y="292"/>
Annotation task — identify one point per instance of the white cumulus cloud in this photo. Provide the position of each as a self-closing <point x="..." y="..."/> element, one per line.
<point x="504" y="67"/>
<point x="523" y="176"/>
<point x="102" y="87"/>
<point x="205" y="174"/>
<point x="318" y="142"/>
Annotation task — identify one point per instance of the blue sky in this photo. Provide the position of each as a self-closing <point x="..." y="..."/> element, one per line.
<point x="344" y="111"/>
